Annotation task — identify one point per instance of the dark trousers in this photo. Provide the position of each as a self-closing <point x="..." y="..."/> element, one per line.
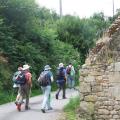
<point x="25" y="92"/>
<point x="61" y="86"/>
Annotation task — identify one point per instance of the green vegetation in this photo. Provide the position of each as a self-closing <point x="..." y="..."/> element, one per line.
<point x="38" y="36"/>
<point x="5" y="97"/>
<point x="70" y="108"/>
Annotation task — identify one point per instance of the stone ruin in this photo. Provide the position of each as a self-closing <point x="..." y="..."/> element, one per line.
<point x="100" y="79"/>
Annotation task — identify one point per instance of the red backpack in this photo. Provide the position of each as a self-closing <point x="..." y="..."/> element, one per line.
<point x="68" y="70"/>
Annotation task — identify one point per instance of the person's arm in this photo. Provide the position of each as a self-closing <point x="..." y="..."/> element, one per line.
<point x="30" y="80"/>
<point x="52" y="78"/>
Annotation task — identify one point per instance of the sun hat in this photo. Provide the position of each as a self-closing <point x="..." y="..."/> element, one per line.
<point x="47" y="67"/>
<point x="61" y="65"/>
<point x="25" y="67"/>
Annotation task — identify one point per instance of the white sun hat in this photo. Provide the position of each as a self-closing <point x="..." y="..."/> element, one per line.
<point x="61" y="65"/>
<point x="25" y="67"/>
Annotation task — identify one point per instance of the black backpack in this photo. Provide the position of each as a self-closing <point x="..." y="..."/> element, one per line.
<point x="43" y="79"/>
<point x="19" y="78"/>
<point x="60" y="74"/>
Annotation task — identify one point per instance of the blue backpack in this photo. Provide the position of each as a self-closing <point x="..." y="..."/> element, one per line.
<point x="19" y="78"/>
<point x="43" y="79"/>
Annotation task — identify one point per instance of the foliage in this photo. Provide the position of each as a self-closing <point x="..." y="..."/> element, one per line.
<point x="100" y="23"/>
<point x="81" y="33"/>
<point x="70" y="108"/>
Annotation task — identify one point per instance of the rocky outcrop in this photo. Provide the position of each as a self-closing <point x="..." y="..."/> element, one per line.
<point x="100" y="81"/>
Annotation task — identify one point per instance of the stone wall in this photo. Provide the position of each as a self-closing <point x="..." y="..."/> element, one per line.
<point x="100" y="92"/>
<point x="100" y="83"/>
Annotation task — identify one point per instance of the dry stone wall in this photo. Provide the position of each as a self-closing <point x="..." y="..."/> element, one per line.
<point x="100" y="83"/>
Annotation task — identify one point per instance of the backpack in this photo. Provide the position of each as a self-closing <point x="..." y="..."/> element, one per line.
<point x="19" y="78"/>
<point x="43" y="79"/>
<point x="60" y="74"/>
<point x="68" y="70"/>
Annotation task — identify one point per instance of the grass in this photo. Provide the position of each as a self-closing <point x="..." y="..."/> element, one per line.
<point x="70" y="108"/>
<point x="10" y="96"/>
<point x="6" y="97"/>
<point x="36" y="92"/>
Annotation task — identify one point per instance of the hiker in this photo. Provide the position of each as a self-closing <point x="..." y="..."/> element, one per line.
<point x="45" y="79"/>
<point x="17" y="85"/>
<point x="25" y="88"/>
<point x="61" y="80"/>
<point x="70" y="76"/>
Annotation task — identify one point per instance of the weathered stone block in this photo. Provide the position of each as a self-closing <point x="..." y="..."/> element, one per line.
<point x="96" y="73"/>
<point x="89" y="78"/>
<point x="103" y="112"/>
<point x="98" y="104"/>
<point x="90" y="98"/>
<point x="108" y="103"/>
<point x="102" y="98"/>
<point x="116" y="116"/>
<point x="114" y="112"/>
<point x="87" y="107"/>
<point x="81" y="79"/>
<point x="110" y="108"/>
<point x="81" y="97"/>
<point x="85" y="87"/>
<point x="117" y="107"/>
<point x="115" y="91"/>
<point x="116" y="66"/>
<point x="114" y="78"/>
<point x="97" y="89"/>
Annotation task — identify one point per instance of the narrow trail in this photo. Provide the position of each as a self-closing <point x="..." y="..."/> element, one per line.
<point x="8" y="111"/>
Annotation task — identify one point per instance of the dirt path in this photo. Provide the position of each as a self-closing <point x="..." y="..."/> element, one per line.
<point x="9" y="112"/>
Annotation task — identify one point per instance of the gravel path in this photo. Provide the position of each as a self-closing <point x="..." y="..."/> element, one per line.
<point x="8" y="111"/>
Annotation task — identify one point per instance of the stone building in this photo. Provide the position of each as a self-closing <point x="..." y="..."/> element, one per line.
<point x="100" y="79"/>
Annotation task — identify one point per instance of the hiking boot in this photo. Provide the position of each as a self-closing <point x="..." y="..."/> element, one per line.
<point x="50" y="108"/>
<point x="16" y="102"/>
<point x="56" y="96"/>
<point x="27" y="108"/>
<point x="43" y="110"/>
<point x="18" y="107"/>
<point x="64" y="98"/>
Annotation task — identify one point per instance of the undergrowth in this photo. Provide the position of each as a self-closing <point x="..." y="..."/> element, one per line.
<point x="70" y="108"/>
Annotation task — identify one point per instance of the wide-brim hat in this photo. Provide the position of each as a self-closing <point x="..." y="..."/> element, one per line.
<point x="25" y="67"/>
<point x="61" y="65"/>
<point x="47" y="67"/>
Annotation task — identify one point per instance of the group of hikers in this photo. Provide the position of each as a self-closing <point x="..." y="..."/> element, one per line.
<point x="23" y="81"/>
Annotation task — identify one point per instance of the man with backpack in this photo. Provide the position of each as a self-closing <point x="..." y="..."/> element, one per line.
<point x="25" y="87"/>
<point x="70" y="76"/>
<point x="15" y="85"/>
<point x="61" y="80"/>
<point x="45" y="79"/>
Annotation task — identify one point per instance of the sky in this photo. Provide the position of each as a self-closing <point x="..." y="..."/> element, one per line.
<point x="82" y="8"/>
